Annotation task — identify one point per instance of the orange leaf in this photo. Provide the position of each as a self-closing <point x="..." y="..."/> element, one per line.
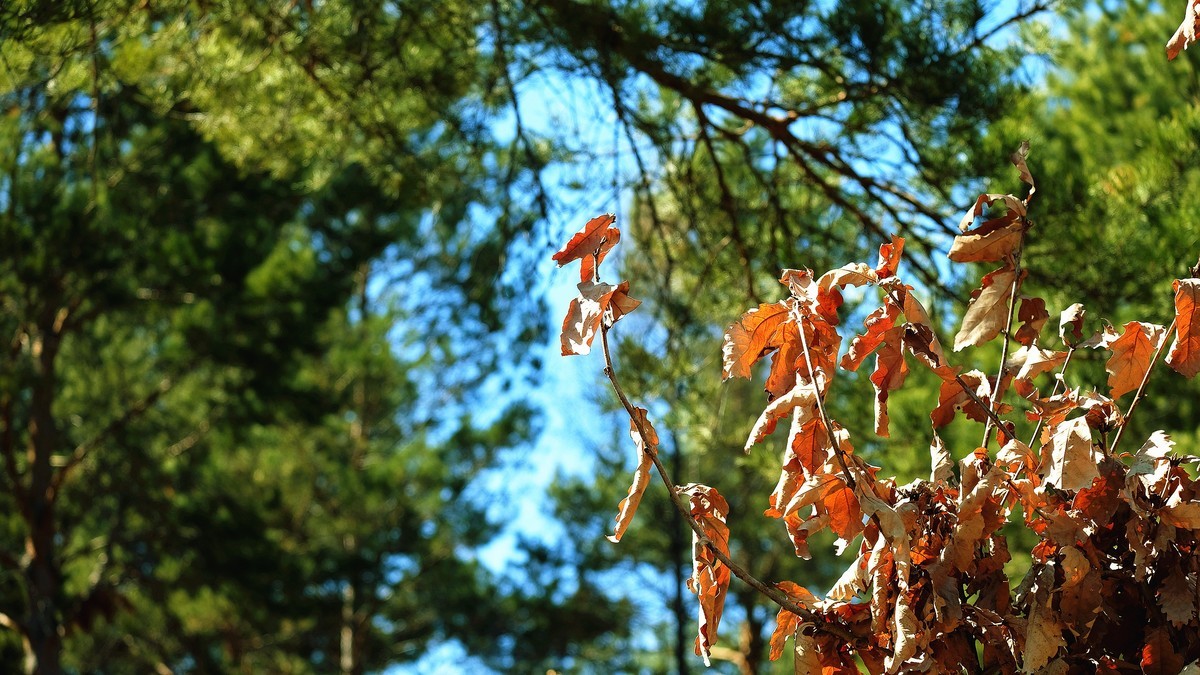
<point x="1160" y="656"/>
<point x="1184" y="356"/>
<point x="590" y="245"/>
<point x="786" y="622"/>
<point x="752" y="336"/>
<point x="1131" y="355"/>
<point x="782" y="376"/>
<point x="988" y="312"/>
<point x="889" y="258"/>
<point x="710" y="577"/>
<point x="845" y="514"/>
<point x="877" y="323"/>
<point x="641" y="478"/>
<point x="810" y="445"/>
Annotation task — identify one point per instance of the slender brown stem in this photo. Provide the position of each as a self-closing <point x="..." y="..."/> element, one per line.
<point x="774" y="594"/>
<point x="828" y="424"/>
<point x="1141" y="390"/>
<point x="986" y="409"/>
<point x="1012" y="304"/>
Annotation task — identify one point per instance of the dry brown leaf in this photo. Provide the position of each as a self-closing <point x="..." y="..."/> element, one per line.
<point x="889" y="375"/>
<point x="753" y="335"/>
<point x="943" y="464"/>
<point x="786" y="623"/>
<point x="993" y="240"/>
<point x="1073" y="457"/>
<point x="952" y="398"/>
<point x="802" y="396"/>
<point x="710" y="577"/>
<point x="808" y="659"/>
<point x="1185" y="35"/>
<point x="1070" y="322"/>
<point x="1177" y="598"/>
<point x="850" y="274"/>
<point x="877" y="323"/>
<point x="889" y="258"/>
<point x="1016" y="209"/>
<point x="1184" y="356"/>
<point x="1043" y="637"/>
<point x="594" y="304"/>
<point x="1033" y="316"/>
<point x="1160" y="656"/>
<point x="641" y="478"/>
<point x="1030" y="361"/>
<point x="1018" y="159"/>
<point x="988" y="311"/>
<point x="1131" y="356"/>
<point x="591" y="245"/>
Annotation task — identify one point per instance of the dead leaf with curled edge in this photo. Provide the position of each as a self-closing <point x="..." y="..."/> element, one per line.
<point x="590" y="245"/>
<point x="888" y="376"/>
<point x="1185" y="35"/>
<point x="641" y="478"/>
<point x="710" y="577"/>
<point x="803" y="396"/>
<point x="1032" y="315"/>
<point x="988" y="312"/>
<point x="752" y="336"/>
<point x="1016" y="209"/>
<point x="786" y="623"/>
<point x="889" y="258"/>
<point x="597" y="302"/>
<point x="991" y="241"/>
<point x="1184" y="356"/>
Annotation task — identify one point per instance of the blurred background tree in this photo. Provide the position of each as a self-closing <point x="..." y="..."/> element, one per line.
<point x="271" y="318"/>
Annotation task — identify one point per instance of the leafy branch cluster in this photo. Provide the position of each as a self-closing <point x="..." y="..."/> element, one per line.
<point x="1113" y="585"/>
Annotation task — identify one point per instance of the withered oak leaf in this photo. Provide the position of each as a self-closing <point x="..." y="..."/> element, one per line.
<point x="1131" y="356"/>
<point x="752" y="336"/>
<point x="710" y="577"/>
<point x="641" y="478"/>
<point x="597" y="302"/>
<point x="988" y="312"/>
<point x="1184" y="356"/>
<point x="591" y="245"/>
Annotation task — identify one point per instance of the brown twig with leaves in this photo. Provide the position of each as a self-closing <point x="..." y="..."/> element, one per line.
<point x="1109" y="533"/>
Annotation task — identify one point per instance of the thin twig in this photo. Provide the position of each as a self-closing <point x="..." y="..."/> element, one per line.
<point x="774" y="594"/>
<point x="1141" y="387"/>
<point x="986" y="409"/>
<point x="833" y="441"/>
<point x="1012" y="304"/>
<point x="1053" y="392"/>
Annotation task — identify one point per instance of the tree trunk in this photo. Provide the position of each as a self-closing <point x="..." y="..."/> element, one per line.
<point x="43" y="576"/>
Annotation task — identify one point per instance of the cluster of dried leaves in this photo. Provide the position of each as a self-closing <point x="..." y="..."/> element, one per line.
<point x="1114" y="582"/>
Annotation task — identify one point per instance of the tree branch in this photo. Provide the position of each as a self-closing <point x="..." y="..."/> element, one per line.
<point x="130" y="414"/>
